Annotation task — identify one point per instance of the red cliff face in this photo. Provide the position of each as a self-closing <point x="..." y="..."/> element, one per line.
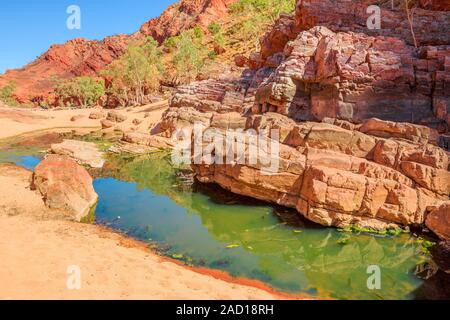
<point x="74" y="58"/>
<point x="185" y="15"/>
<point x="360" y="114"/>
<point x="332" y="65"/>
<point x="79" y="57"/>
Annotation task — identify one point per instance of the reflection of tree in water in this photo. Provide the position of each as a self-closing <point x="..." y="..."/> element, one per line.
<point x="292" y="252"/>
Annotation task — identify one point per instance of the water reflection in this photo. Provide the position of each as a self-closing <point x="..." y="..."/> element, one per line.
<point x="250" y="238"/>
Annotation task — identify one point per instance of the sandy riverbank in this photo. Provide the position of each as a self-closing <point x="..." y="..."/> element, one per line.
<point x="38" y="245"/>
<point x="15" y="121"/>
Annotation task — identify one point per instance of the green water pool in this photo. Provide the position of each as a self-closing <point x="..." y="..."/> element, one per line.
<point x="146" y="198"/>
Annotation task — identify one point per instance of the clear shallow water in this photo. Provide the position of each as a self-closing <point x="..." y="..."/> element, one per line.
<point x="27" y="161"/>
<point x="145" y="198"/>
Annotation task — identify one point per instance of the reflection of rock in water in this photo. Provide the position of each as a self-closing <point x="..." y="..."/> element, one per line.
<point x="221" y="196"/>
<point x="293" y="218"/>
<point x="436" y="274"/>
<point x="441" y="255"/>
<point x="185" y="180"/>
<point x="437" y="287"/>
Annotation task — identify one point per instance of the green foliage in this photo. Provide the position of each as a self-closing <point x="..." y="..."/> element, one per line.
<point x="189" y="55"/>
<point x="256" y="15"/>
<point x="212" y="55"/>
<point x="136" y="73"/>
<point x="386" y="232"/>
<point x="170" y="42"/>
<point x="198" y="33"/>
<point x="270" y="9"/>
<point x="6" y="94"/>
<point x="214" y="28"/>
<point x="216" y="31"/>
<point x="426" y="245"/>
<point x="80" y="91"/>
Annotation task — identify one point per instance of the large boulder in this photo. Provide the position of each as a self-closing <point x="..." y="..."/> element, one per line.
<point x="64" y="184"/>
<point x="83" y="152"/>
<point x="438" y="221"/>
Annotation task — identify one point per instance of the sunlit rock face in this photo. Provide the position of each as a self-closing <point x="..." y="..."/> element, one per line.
<point x="360" y="114"/>
<point x="65" y="185"/>
<point x="320" y="63"/>
<point x="336" y="175"/>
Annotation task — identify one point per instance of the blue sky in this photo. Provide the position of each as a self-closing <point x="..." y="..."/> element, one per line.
<point x="29" y="27"/>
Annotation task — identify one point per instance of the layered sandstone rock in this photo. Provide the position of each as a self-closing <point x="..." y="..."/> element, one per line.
<point x="429" y="26"/>
<point x="115" y="116"/>
<point x="141" y="143"/>
<point x="96" y="115"/>
<point x="435" y="4"/>
<point x="326" y="62"/>
<point x="338" y="70"/>
<point x="331" y="175"/>
<point x="438" y="221"/>
<point x="355" y="77"/>
<point x="64" y="184"/>
<point x="148" y="140"/>
<point x="222" y="95"/>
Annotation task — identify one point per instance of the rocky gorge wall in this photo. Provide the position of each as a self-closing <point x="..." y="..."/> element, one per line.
<point x="325" y="71"/>
<point x="345" y="70"/>
<point x="361" y="113"/>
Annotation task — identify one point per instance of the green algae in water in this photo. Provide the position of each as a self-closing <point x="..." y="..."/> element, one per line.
<point x="146" y="200"/>
<point x="144" y="197"/>
<point x="28" y="158"/>
<point x="90" y="217"/>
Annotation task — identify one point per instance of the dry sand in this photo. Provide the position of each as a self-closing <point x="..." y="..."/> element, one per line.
<point x="37" y="245"/>
<point x="15" y="121"/>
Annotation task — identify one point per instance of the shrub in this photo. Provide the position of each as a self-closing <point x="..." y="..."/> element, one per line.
<point x="271" y="9"/>
<point x="216" y="30"/>
<point x="6" y="94"/>
<point x="135" y="74"/>
<point x="188" y="59"/>
<point x="212" y="55"/>
<point x="80" y="91"/>
<point x="256" y="15"/>
<point x="170" y="42"/>
<point x="198" y="33"/>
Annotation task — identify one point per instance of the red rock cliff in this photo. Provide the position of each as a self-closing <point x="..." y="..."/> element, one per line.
<point x="322" y="79"/>
<point x="84" y="57"/>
